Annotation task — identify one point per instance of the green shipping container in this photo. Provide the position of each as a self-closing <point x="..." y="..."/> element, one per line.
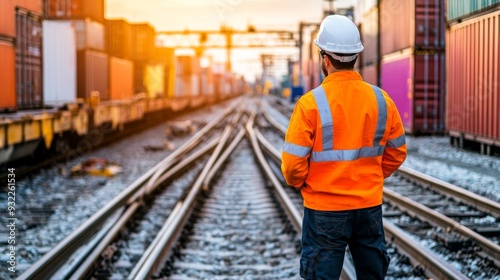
<point x="459" y="9"/>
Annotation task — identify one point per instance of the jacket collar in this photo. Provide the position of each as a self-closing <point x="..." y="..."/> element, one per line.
<point x="342" y="76"/>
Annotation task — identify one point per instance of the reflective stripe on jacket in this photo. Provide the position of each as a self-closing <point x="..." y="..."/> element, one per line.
<point x="343" y="139"/>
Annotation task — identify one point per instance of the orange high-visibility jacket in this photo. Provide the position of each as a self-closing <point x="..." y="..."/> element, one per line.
<point x="343" y="139"/>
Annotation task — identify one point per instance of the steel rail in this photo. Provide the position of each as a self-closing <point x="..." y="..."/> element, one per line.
<point x="348" y="270"/>
<point x="435" y="218"/>
<point x="192" y="142"/>
<point x="482" y="203"/>
<point x="434" y="266"/>
<point x="172" y="231"/>
<point x="118" y="226"/>
<point x="282" y="129"/>
<point x="292" y="212"/>
<point x="53" y="260"/>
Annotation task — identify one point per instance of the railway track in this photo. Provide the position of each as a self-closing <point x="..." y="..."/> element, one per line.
<point x="463" y="225"/>
<point x="224" y="217"/>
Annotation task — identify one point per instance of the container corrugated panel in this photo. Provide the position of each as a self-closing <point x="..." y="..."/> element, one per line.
<point x="473" y="77"/>
<point x="165" y="55"/>
<point x="188" y="65"/>
<point x="416" y="84"/>
<point x="121" y="78"/>
<point x="143" y="41"/>
<point x="8" y="13"/>
<point x="7" y="18"/>
<point x="369" y="37"/>
<point x="370" y="74"/>
<point x="89" y="34"/>
<point x="59" y="63"/>
<point x="8" y="76"/>
<point x="458" y="9"/>
<point x="154" y="80"/>
<point x="363" y="7"/>
<point x="419" y="23"/>
<point x="188" y="85"/>
<point x="74" y="9"/>
<point x="28" y="60"/>
<point x="119" y="38"/>
<point x="93" y="74"/>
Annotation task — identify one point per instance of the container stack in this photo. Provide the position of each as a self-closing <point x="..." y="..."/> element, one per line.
<point x="21" y="55"/>
<point x="166" y="56"/>
<point x="86" y="20"/>
<point x="473" y="67"/>
<point x="121" y="67"/>
<point x="187" y="82"/>
<point x="147" y="77"/>
<point x="368" y="61"/>
<point x="405" y="55"/>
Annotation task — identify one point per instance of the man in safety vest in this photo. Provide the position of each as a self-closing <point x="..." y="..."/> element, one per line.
<point x="343" y="139"/>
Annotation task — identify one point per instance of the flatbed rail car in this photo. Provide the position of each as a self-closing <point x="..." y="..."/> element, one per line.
<point x="77" y="128"/>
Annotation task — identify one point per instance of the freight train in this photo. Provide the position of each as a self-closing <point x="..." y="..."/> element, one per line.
<point x="71" y="79"/>
<point x="437" y="59"/>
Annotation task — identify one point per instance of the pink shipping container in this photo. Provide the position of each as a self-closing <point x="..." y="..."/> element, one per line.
<point x="415" y="81"/>
<point x="8" y="76"/>
<point x="473" y="75"/>
<point x="93" y="74"/>
<point x="121" y="78"/>
<point x="74" y="9"/>
<point x="418" y="23"/>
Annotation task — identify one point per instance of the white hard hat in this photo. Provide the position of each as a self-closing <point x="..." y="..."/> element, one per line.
<point x="338" y="34"/>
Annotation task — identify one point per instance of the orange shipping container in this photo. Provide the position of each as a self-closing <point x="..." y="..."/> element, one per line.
<point x="121" y="78"/>
<point x="8" y="13"/>
<point x="7" y="78"/>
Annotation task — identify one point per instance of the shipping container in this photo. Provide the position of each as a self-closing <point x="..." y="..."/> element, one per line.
<point x="93" y="74"/>
<point x="119" y="38"/>
<point x="8" y="76"/>
<point x="28" y="60"/>
<point x="165" y="55"/>
<point x="121" y="78"/>
<point x="74" y="9"/>
<point x="89" y="34"/>
<point x="473" y="77"/>
<point x="8" y="14"/>
<point x="187" y="85"/>
<point x="415" y="81"/>
<point x="370" y="74"/>
<point x="369" y="37"/>
<point x="206" y="82"/>
<point x="188" y="65"/>
<point x="143" y="42"/>
<point x="59" y="63"/>
<point x="460" y="9"/>
<point x="419" y="23"/>
<point x="154" y="80"/>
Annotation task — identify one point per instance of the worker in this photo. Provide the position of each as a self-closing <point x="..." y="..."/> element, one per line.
<point x="344" y="138"/>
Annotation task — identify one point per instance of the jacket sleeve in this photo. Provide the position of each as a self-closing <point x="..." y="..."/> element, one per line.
<point x="395" y="149"/>
<point x="297" y="147"/>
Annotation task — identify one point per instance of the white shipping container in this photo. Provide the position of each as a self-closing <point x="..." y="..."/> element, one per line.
<point x="89" y="34"/>
<point x="59" y="63"/>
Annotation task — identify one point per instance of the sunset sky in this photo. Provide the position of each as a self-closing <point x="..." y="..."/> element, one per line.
<point x="211" y="14"/>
